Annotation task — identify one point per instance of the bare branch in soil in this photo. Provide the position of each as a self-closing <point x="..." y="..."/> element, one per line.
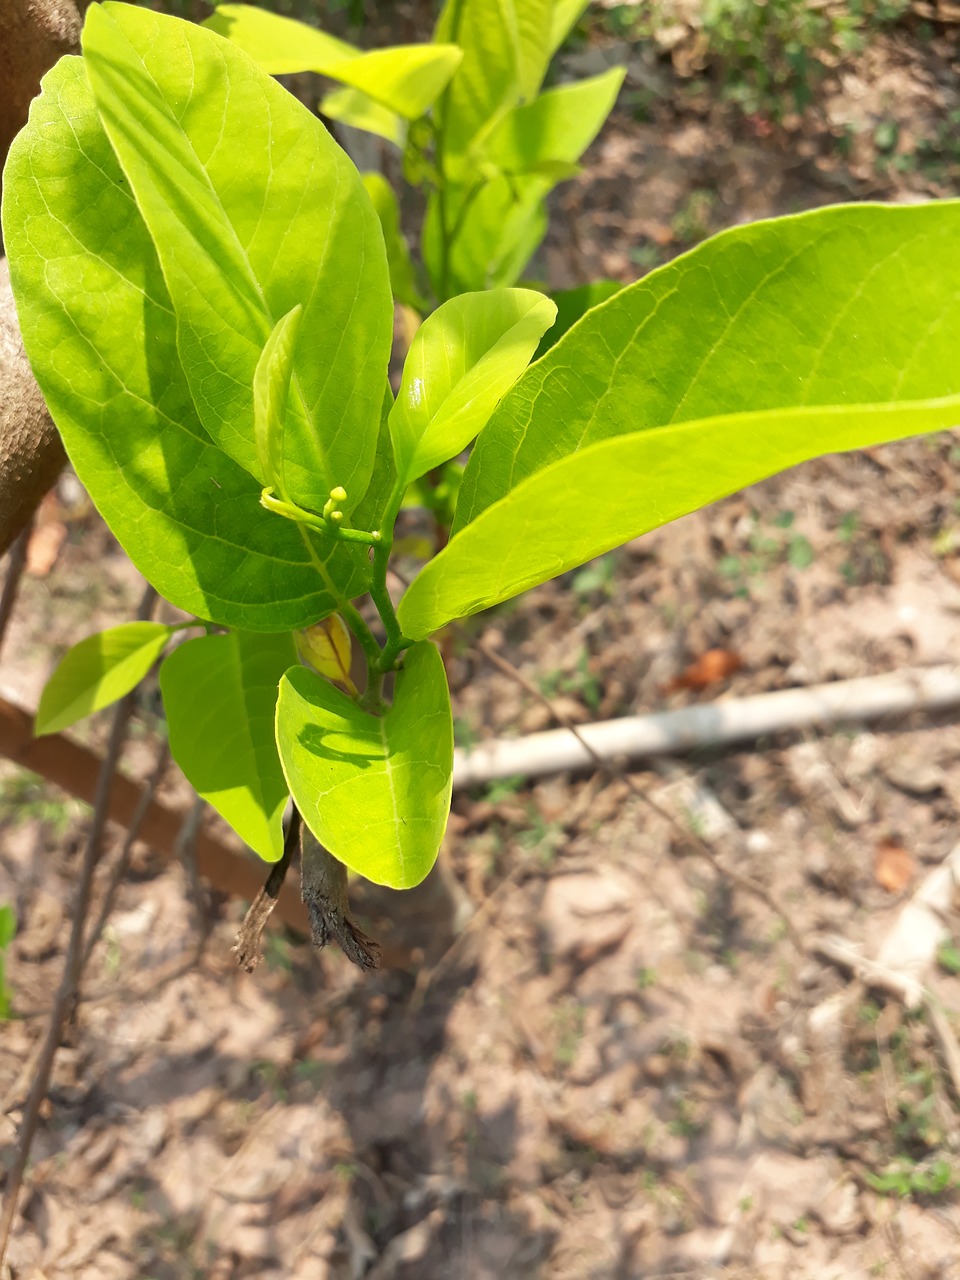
<point x="324" y="891"/>
<point x="249" y="946"/>
<point x="11" y="583"/>
<point x="67" y="992"/>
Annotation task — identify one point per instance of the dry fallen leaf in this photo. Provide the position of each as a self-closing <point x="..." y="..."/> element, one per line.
<point x="47" y="538"/>
<point x="710" y="668"/>
<point x="893" y="867"/>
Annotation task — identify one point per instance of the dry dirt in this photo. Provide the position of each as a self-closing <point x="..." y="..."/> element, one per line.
<point x="594" y="1056"/>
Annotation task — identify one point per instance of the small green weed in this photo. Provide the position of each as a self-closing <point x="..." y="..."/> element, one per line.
<point x="8" y="928"/>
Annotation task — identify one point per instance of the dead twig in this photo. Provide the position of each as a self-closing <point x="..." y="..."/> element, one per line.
<point x="248" y="947"/>
<point x="11" y="583"/>
<point x="67" y="992"/>
<point x="324" y="892"/>
<point x="122" y="864"/>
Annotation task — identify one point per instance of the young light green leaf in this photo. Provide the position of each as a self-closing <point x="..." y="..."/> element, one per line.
<point x="220" y="696"/>
<point x="565" y="16"/>
<point x="271" y="386"/>
<point x="406" y="79"/>
<point x="463" y="358"/>
<point x="398" y="251"/>
<point x="353" y="108"/>
<point x="555" y="128"/>
<point x="505" y="57"/>
<point x="493" y="229"/>
<point x="281" y="46"/>
<point x="572" y="304"/>
<point x="186" y="514"/>
<point x="607" y="493"/>
<point x="97" y="672"/>
<point x="375" y="790"/>
<point x="253" y="208"/>
<point x="768" y="345"/>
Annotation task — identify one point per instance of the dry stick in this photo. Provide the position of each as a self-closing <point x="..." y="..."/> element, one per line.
<point x="614" y="769"/>
<point x="75" y="769"/>
<point x="122" y="864"/>
<point x="248" y="947"/>
<point x="67" y="991"/>
<point x="186" y="850"/>
<point x="324" y="892"/>
<point x="15" y="567"/>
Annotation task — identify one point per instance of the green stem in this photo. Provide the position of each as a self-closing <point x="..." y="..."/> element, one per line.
<point x="365" y="637"/>
<point x="396" y="641"/>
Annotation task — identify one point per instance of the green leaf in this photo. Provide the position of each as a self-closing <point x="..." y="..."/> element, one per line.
<point x="271" y="386"/>
<point x="555" y="128"/>
<point x="353" y="108"/>
<point x="253" y="209"/>
<point x="406" y="79"/>
<point x="764" y="347"/>
<point x="566" y="14"/>
<point x="495" y="228"/>
<point x="375" y="790"/>
<point x="279" y="45"/>
<point x="463" y="358"/>
<point x="572" y="305"/>
<point x="220" y="696"/>
<point x="505" y="57"/>
<point x="186" y="514"/>
<point x="97" y="672"/>
<point x="398" y="251"/>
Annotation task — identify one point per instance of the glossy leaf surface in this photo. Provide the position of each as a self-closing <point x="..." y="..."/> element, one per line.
<point x="186" y="514"/>
<point x="253" y="209"/>
<point x="375" y="790"/>
<point x="572" y="305"/>
<point x="97" y="672"/>
<point x="558" y="126"/>
<point x="768" y="345"/>
<point x="405" y="79"/>
<point x="505" y="58"/>
<point x="220" y="696"/>
<point x="463" y="358"/>
<point x="271" y="387"/>
<point x="356" y="109"/>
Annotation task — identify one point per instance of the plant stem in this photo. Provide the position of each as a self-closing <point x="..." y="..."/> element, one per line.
<point x="365" y="637"/>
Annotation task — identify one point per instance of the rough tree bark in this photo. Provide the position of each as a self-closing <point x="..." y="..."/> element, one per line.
<point x="33" y="35"/>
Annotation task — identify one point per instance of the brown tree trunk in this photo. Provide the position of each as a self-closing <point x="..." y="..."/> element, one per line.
<point x="33" y="35"/>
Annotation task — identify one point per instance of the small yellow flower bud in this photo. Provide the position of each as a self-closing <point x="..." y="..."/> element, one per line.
<point x="339" y="494"/>
<point x="327" y="647"/>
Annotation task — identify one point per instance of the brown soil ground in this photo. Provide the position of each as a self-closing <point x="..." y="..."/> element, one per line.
<point x="595" y="1056"/>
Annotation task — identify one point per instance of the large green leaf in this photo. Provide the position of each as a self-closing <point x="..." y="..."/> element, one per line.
<point x="253" y="209"/>
<point x="768" y="345"/>
<point x="220" y="696"/>
<point x="406" y="79"/>
<point x="556" y="127"/>
<point x="463" y="358"/>
<point x="375" y="790"/>
<point x="98" y="671"/>
<point x="100" y="333"/>
<point x="573" y="305"/>
<point x="505" y="55"/>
